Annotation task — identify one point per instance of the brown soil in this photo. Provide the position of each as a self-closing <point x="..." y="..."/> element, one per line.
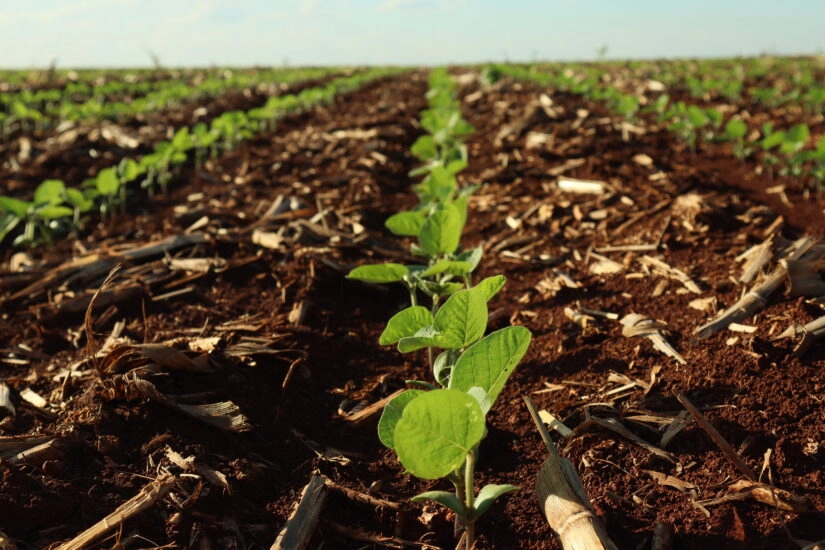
<point x="297" y="351"/>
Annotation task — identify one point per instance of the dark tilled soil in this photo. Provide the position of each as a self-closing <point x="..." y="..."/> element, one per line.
<point x="294" y="343"/>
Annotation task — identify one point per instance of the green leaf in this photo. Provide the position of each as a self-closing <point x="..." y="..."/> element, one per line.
<point x="488" y="495"/>
<point x="456" y="166"/>
<point x="379" y="273"/>
<point x="49" y="192"/>
<point x="129" y="170"/>
<point x="440" y="289"/>
<point x="490" y="286"/>
<point x="406" y="224"/>
<point x="423" y="338"/>
<point x="736" y="129"/>
<point x="444" y="498"/>
<point x="392" y="414"/>
<point x="425" y="148"/>
<point x="799" y="133"/>
<point x="54" y="212"/>
<point x="443" y="365"/>
<point x="7" y="224"/>
<point x="405" y="323"/>
<point x="436" y="431"/>
<point x="451" y="267"/>
<point x="182" y="140"/>
<point x="441" y="231"/>
<point x="107" y="182"/>
<point x="697" y="116"/>
<point x="461" y="320"/>
<point x="14" y="206"/>
<point x="489" y="362"/>
<point x="472" y="256"/>
<point x="78" y="199"/>
<point x="773" y="139"/>
<point x="483" y="399"/>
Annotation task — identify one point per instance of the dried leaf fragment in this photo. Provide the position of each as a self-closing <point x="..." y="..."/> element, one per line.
<point x="639" y="325"/>
<point x="761" y="492"/>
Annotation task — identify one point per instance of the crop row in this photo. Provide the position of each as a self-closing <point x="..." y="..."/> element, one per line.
<point x="436" y="427"/>
<point x="58" y="208"/>
<point x="47" y="108"/>
<point x="761" y="81"/>
<point x="791" y="152"/>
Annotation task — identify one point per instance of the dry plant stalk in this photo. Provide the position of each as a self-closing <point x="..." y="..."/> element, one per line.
<point x="761" y="492"/>
<point x="145" y="499"/>
<point x="301" y="524"/>
<point x="756" y="299"/>
<point x="564" y="501"/>
<point x="717" y="438"/>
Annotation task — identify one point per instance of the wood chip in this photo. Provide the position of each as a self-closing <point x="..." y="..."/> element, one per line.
<point x="554" y="423"/>
<point x="661" y="268"/>
<point x="671" y="481"/>
<point x="571" y="185"/>
<point x="639" y="325"/>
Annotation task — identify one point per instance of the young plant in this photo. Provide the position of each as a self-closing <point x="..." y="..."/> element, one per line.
<point x="436" y="433"/>
<point x="735" y="132"/>
<point x="40" y="217"/>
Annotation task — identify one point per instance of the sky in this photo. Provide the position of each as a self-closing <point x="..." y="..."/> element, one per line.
<point x="127" y="33"/>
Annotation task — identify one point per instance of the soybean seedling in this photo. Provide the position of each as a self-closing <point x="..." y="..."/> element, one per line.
<point x="436" y="433"/>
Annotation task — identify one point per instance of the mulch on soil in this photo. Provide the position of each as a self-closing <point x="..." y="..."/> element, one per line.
<point x="243" y="354"/>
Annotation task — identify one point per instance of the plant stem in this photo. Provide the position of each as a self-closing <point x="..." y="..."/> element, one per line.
<point x="469" y="496"/>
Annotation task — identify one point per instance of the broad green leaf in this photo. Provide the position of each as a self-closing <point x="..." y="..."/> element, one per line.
<point x="489" y="362"/>
<point x="443" y="365"/>
<point x="406" y="224"/>
<point x="440" y="289"/>
<point x="714" y="116"/>
<point x="472" y="256"/>
<point x="423" y="338"/>
<point x="78" y="199"/>
<point x="773" y="139"/>
<point x="49" y="192"/>
<point x="456" y="166"/>
<point x="424" y="148"/>
<point x="7" y="224"/>
<point x="445" y="499"/>
<point x="107" y="182"/>
<point x="405" y="323"/>
<point x="441" y="231"/>
<point x="54" y="212"/>
<point x="799" y="133"/>
<point x="392" y="414"/>
<point x="129" y="170"/>
<point x="490" y="286"/>
<point x="436" y="431"/>
<point x="462" y="204"/>
<point x="14" y="206"/>
<point x="451" y="267"/>
<point x="483" y="399"/>
<point x="697" y="116"/>
<point x="461" y="320"/>
<point x="736" y="129"/>
<point x="488" y="495"/>
<point x="379" y="273"/>
<point x="182" y="140"/>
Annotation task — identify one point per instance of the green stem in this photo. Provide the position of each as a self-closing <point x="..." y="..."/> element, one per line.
<point x="469" y="497"/>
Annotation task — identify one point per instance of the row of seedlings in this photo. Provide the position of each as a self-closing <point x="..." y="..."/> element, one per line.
<point x="436" y="426"/>
<point x="57" y="209"/>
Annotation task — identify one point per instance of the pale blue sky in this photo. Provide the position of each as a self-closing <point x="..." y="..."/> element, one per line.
<point x="119" y="33"/>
